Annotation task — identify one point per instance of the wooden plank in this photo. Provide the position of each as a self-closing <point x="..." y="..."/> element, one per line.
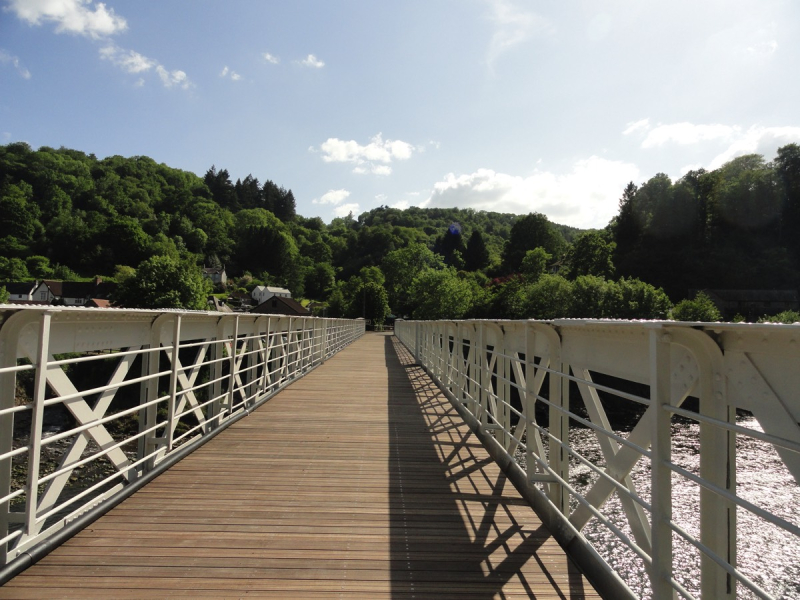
<point x="358" y="481"/>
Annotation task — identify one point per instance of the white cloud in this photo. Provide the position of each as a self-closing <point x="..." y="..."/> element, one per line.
<point x="760" y="140"/>
<point x="381" y="198"/>
<point x="133" y="62"/>
<point x="373" y="157"/>
<point x="127" y="60"/>
<point x="512" y="26"/>
<point x="332" y="197"/>
<point x="735" y="140"/>
<point x="312" y="61"/>
<point x="688" y="133"/>
<point x="227" y="72"/>
<point x="274" y="60"/>
<point x="587" y="196"/>
<point x="82" y="17"/>
<point x="634" y="126"/>
<point x="346" y="209"/>
<point x="401" y="205"/>
<point x="173" y="78"/>
<point x="8" y="59"/>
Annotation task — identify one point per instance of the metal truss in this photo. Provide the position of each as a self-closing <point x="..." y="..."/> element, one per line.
<point x="92" y="400"/>
<point x="501" y="372"/>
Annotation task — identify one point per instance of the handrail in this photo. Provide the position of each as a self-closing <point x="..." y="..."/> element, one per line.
<point x="662" y="492"/>
<point x="94" y="400"/>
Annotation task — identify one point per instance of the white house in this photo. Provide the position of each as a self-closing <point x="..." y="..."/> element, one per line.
<point x="262" y="293"/>
<point x="19" y="290"/>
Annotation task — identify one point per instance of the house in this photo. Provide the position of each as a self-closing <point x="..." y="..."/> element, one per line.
<point x="262" y="293"/>
<point x="98" y="303"/>
<point x="216" y="275"/>
<point x="19" y="291"/>
<point x="73" y="293"/>
<point x="751" y="304"/>
<point x="280" y="305"/>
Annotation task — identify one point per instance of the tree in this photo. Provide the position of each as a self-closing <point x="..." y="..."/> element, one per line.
<point x="590" y="254"/>
<point x="440" y="294"/>
<point x="222" y="190"/>
<point x="535" y="263"/>
<point x="529" y="232"/>
<point x="401" y="267"/>
<point x="451" y="246"/>
<point x="373" y="302"/>
<point x="590" y="297"/>
<point x="625" y="226"/>
<point x="550" y="298"/>
<point x="4" y="295"/>
<point x="701" y="308"/>
<point x="634" y="299"/>
<point x="319" y="280"/>
<point x="164" y="282"/>
<point x="39" y="267"/>
<point x="476" y="255"/>
<point x="13" y="269"/>
<point x="284" y="206"/>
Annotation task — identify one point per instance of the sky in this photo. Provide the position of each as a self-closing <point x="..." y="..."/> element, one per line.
<point x="500" y="105"/>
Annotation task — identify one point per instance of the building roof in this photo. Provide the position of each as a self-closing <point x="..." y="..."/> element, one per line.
<point x="97" y="288"/>
<point x="278" y="305"/>
<point x="213" y="270"/>
<point x="18" y="287"/>
<point x="277" y="290"/>
<point x="99" y="303"/>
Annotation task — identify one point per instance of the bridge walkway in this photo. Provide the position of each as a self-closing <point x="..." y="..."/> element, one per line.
<point x="357" y="481"/>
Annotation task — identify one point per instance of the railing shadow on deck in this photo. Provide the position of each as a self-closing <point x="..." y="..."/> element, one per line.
<point x="444" y="537"/>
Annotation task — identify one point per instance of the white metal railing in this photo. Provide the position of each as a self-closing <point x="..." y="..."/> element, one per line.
<point x="91" y="400"/>
<point x="657" y="496"/>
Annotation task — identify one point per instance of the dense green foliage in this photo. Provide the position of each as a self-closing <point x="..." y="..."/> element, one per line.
<point x="4" y="295"/>
<point x="700" y="308"/>
<point x="164" y="282"/>
<point x="732" y="228"/>
<point x="65" y="214"/>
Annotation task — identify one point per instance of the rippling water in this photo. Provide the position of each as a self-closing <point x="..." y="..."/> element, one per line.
<point x="767" y="555"/>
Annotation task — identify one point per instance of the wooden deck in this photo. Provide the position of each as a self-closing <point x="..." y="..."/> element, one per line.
<point x="358" y="481"/>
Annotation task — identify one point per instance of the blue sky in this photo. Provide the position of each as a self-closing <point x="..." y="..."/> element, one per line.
<point x="498" y="105"/>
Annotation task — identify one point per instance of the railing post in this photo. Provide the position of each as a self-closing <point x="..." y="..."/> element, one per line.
<point x="559" y="426"/>
<point x="173" y="382"/>
<point x="37" y="417"/>
<point x="485" y="378"/>
<point x="504" y="395"/>
<point x="148" y="417"/>
<point x="661" y="474"/>
<point x="217" y="352"/>
<point x="8" y="384"/>
<point x="530" y="403"/>
<point x="417" y="327"/>
<point x="323" y="344"/>
<point x="232" y="362"/>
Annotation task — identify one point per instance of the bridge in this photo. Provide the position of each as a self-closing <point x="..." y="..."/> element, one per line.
<point x="180" y="453"/>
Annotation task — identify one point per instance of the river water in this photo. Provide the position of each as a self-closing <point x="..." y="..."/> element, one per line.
<point x="767" y="555"/>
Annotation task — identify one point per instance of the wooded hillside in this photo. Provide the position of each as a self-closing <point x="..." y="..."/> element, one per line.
<point x="65" y="214"/>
